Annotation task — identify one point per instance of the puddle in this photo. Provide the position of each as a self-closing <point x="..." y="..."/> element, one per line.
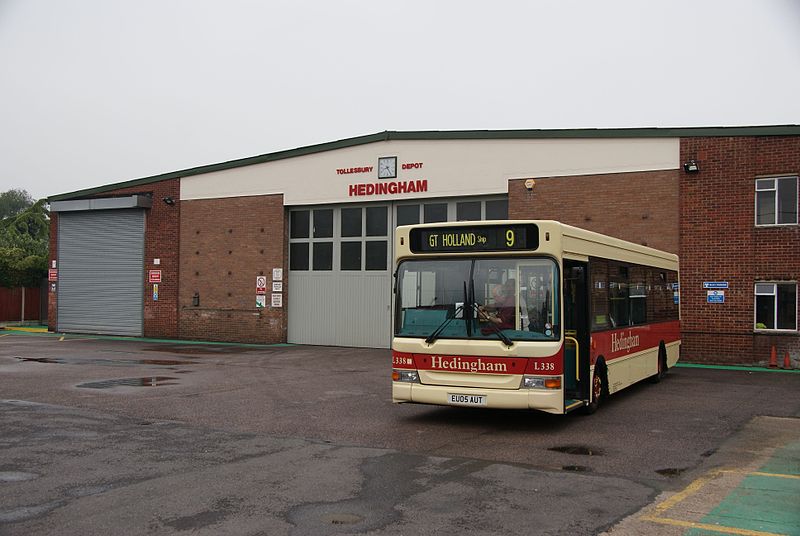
<point x="150" y="381"/>
<point x="671" y="471"/>
<point x="578" y="449"/>
<point x="106" y="362"/>
<point x="163" y="362"/>
<point x="342" y="519"/>
<point x="708" y="453"/>
<point x="576" y="468"/>
<point x="16" y="476"/>
<point x="41" y="359"/>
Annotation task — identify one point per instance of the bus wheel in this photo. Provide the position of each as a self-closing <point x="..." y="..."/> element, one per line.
<point x="598" y="382"/>
<point x="662" y="364"/>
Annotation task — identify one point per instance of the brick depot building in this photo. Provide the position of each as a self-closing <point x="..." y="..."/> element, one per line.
<point x="296" y="246"/>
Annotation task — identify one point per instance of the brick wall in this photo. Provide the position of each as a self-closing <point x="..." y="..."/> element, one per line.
<point x="225" y="244"/>
<point x="162" y="233"/>
<point x="720" y="242"/>
<point x="640" y="207"/>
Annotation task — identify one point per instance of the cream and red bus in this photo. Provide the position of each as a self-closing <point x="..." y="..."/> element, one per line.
<point x="528" y="314"/>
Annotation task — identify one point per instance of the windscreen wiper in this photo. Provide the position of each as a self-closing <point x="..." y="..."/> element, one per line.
<point x="435" y="335"/>
<point x="503" y="337"/>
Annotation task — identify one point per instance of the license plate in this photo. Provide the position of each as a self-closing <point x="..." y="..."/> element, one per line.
<point x="466" y="400"/>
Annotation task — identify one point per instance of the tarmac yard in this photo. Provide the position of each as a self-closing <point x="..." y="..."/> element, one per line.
<point x="105" y="436"/>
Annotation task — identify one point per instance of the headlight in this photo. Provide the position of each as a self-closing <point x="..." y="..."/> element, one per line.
<point x="541" y="382"/>
<point x="405" y="376"/>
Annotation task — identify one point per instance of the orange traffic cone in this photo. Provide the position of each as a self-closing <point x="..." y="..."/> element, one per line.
<point x="773" y="358"/>
<point x="787" y="364"/>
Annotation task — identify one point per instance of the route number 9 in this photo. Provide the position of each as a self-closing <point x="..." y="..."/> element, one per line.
<point x="510" y="238"/>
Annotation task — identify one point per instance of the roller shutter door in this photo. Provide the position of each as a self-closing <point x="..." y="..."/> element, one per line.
<point x="101" y="272"/>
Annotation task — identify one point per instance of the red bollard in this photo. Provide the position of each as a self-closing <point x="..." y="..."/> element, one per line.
<point x="773" y="358"/>
<point x="787" y="363"/>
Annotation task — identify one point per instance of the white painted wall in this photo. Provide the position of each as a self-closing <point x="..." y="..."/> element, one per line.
<point x="451" y="167"/>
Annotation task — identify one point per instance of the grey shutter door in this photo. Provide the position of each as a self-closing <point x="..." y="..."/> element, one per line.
<point x="101" y="272"/>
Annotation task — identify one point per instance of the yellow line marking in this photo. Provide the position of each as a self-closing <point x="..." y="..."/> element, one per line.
<point x="688" y="490"/>
<point x="5" y="335"/>
<point x="776" y="475"/>
<point x="705" y="526"/>
<point x="60" y="339"/>
<point x="694" y="487"/>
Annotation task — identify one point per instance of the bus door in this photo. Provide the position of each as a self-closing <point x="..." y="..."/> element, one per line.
<point x="576" y="334"/>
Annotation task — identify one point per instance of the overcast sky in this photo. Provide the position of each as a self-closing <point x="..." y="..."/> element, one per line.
<point x="94" y="92"/>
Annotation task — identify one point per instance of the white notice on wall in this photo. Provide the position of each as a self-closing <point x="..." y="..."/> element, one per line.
<point x="261" y="301"/>
<point x="277" y="286"/>
<point x="277" y="274"/>
<point x="277" y="300"/>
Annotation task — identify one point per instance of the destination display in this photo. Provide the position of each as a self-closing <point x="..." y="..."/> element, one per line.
<point x="474" y="238"/>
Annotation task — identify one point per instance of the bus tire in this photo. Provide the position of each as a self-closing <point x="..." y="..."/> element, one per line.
<point x="662" y="364"/>
<point x="599" y="387"/>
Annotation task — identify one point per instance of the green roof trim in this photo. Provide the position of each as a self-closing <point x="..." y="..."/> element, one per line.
<point x="677" y="132"/>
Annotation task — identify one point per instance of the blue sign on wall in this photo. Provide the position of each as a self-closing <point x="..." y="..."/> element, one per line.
<point x="716" y="296"/>
<point x="715" y="284"/>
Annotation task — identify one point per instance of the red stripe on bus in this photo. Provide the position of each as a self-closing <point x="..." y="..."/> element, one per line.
<point x="617" y="343"/>
<point x="551" y="365"/>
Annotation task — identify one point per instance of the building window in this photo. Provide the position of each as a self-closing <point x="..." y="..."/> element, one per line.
<point x="376" y="252"/>
<point x="435" y="212"/>
<point x="377" y="223"/>
<point x="323" y="223"/>
<point x="497" y="210"/>
<point x="351" y="222"/>
<point x="323" y="256"/>
<point x="776" y="201"/>
<point x="407" y="214"/>
<point x="340" y="239"/>
<point x="298" y="256"/>
<point x="298" y="227"/>
<point x="776" y="306"/>
<point x="468" y="211"/>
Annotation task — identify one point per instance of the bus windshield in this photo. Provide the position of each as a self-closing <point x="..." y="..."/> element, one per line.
<point x="478" y="299"/>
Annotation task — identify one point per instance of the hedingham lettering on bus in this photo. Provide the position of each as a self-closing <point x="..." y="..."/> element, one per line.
<point x="624" y="343"/>
<point x="457" y="363"/>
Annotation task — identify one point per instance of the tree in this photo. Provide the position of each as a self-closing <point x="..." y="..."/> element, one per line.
<point x="12" y="202"/>
<point x="23" y="247"/>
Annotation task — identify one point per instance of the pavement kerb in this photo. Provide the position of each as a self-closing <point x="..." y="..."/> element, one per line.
<point x="65" y="336"/>
<point x="741" y="368"/>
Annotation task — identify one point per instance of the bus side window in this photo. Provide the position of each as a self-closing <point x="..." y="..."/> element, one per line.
<point x="618" y="302"/>
<point x="600" y="316"/>
<point x="638" y="295"/>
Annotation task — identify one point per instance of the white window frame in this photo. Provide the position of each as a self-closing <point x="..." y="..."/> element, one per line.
<point x="774" y="188"/>
<point x="774" y="293"/>
<point x="336" y="239"/>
